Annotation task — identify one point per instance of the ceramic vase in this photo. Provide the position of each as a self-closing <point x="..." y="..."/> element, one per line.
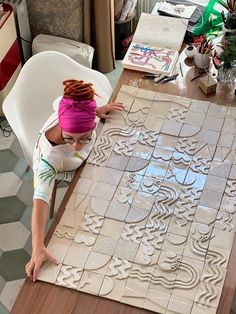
<point x="227" y="30"/>
<point x="190" y="51"/>
<point x="227" y="75"/>
<point x="202" y="61"/>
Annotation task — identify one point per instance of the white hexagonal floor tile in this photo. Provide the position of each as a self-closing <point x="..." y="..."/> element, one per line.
<point x="6" y="142"/>
<point x="13" y="236"/>
<point x="9" y="183"/>
<point x="10" y="292"/>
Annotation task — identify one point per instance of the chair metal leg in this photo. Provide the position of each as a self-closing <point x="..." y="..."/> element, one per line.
<point x="54" y="193"/>
<point x="27" y="169"/>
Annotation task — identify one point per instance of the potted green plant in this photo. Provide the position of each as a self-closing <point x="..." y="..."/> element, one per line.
<point x="229" y="19"/>
<point x="227" y="66"/>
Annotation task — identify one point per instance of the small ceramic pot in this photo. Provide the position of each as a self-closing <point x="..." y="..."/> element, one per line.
<point x="202" y="61"/>
<point x="190" y="51"/>
<point x="227" y="30"/>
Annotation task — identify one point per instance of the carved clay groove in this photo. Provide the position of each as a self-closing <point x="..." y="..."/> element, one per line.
<point x="101" y="151"/>
<point x="200" y="165"/>
<point x="214" y="263"/>
<point x="226" y="220"/>
<point x="148" y="137"/>
<point x="133" y="233"/>
<point x="63" y="234"/>
<point x="230" y="188"/>
<point x="190" y="282"/>
<point x="124" y="147"/>
<point x="69" y="276"/>
<point x="177" y="114"/>
<point x="119" y="268"/>
<point x="92" y="223"/>
<point x="187" y="204"/>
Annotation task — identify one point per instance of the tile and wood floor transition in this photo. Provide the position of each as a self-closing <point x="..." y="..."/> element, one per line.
<point x="15" y="215"/>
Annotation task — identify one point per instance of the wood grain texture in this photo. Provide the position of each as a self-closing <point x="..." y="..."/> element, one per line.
<point x="229" y="285"/>
<point x="42" y="297"/>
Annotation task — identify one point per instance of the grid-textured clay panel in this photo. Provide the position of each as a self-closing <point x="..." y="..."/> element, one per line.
<point x="156" y="227"/>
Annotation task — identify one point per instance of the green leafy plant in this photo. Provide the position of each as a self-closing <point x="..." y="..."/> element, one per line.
<point x="228" y="55"/>
<point x="229" y="20"/>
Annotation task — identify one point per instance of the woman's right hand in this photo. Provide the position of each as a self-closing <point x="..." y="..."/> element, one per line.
<point x="39" y="255"/>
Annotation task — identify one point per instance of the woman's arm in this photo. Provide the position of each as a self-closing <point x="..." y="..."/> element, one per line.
<point x="39" y="252"/>
<point x="102" y="112"/>
<point x="39" y="217"/>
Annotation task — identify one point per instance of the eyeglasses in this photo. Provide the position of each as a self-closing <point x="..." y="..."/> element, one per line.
<point x="71" y="140"/>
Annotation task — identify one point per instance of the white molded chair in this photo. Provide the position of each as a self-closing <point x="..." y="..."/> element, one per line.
<point x="30" y="102"/>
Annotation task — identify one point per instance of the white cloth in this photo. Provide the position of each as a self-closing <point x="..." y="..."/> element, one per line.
<point x="49" y="160"/>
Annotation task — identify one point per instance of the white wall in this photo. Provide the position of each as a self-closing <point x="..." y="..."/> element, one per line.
<point x="145" y="6"/>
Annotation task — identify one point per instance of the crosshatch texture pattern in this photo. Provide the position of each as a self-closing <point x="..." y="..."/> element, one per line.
<point x="152" y="220"/>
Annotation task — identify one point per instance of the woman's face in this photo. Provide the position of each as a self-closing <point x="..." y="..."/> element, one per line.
<point x="76" y="140"/>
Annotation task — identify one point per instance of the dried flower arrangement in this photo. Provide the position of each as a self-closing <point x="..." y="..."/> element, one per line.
<point x="205" y="46"/>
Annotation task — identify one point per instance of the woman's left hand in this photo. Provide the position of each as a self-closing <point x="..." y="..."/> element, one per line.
<point x="102" y="112"/>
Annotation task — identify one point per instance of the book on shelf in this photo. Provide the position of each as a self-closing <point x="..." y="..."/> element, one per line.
<point x="156" y="44"/>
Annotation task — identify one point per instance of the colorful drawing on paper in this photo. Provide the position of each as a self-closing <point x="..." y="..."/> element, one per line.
<point x="155" y="58"/>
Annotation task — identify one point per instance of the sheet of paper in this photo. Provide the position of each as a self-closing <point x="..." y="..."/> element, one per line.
<point x="150" y="59"/>
<point x="170" y="9"/>
<point x="160" y="31"/>
<point x="201" y="2"/>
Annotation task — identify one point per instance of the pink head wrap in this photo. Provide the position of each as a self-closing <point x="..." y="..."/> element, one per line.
<point x="77" y="108"/>
<point x="77" y="116"/>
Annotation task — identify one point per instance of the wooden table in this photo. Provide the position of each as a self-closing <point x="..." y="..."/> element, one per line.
<point x="45" y="298"/>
